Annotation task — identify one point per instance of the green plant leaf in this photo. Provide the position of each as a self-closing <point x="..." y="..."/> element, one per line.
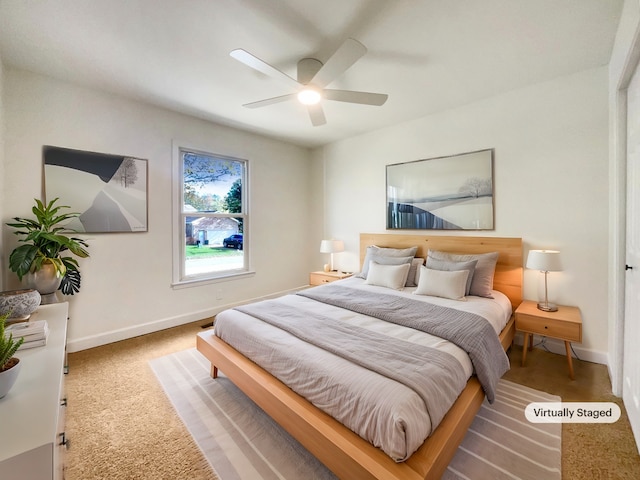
<point x="70" y="283"/>
<point x="21" y="259"/>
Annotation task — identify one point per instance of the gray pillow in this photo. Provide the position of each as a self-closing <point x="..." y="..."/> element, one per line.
<point x="412" y="277"/>
<point x="382" y="260"/>
<point x="384" y="252"/>
<point x="450" y="266"/>
<point x="482" y="281"/>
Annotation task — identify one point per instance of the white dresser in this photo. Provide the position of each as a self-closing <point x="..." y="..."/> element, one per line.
<point x="32" y="413"/>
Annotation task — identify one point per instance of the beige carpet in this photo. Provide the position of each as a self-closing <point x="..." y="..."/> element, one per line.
<point x="241" y="442"/>
<point x="119" y="423"/>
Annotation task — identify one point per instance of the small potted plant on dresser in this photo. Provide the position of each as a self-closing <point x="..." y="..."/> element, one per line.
<point x="40" y="260"/>
<point x="9" y="365"/>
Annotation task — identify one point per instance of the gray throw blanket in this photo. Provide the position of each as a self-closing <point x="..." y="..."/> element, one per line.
<point x="468" y="331"/>
<point x="434" y="375"/>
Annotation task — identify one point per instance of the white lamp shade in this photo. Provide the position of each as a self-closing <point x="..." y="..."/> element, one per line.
<point x="331" y="246"/>
<point x="544" y="260"/>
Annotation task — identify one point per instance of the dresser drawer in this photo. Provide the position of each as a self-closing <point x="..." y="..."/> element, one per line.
<point x="569" y="331"/>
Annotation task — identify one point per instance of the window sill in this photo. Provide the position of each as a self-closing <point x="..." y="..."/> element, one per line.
<point x="197" y="282"/>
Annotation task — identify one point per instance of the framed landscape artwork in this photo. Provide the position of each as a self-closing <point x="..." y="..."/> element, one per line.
<point x="108" y="191"/>
<point x="445" y="193"/>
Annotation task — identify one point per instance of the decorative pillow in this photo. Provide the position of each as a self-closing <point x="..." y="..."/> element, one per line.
<point x="390" y="276"/>
<point x="382" y="260"/>
<point x="384" y="252"/>
<point x="454" y="266"/>
<point x="418" y="270"/>
<point x="412" y="278"/>
<point x="442" y="283"/>
<point x="482" y="281"/>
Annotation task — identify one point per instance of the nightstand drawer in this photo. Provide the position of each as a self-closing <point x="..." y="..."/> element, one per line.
<point x="569" y="331"/>
<point x="320" y="278"/>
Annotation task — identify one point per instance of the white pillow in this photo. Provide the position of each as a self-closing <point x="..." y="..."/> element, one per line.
<point x="482" y="281"/>
<point x="390" y="276"/>
<point x="435" y="264"/>
<point x="442" y="283"/>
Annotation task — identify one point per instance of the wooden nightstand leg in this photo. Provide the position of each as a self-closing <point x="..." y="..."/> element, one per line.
<point x="567" y="346"/>
<point x="525" y="347"/>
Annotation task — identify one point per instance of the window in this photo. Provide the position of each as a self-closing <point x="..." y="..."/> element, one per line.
<point x="212" y="217"/>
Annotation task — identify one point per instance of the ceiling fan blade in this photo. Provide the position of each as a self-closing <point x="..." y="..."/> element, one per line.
<point x="261" y="66"/>
<point x="346" y="55"/>
<point x="365" y="98"/>
<point x="270" y="101"/>
<point x="316" y="114"/>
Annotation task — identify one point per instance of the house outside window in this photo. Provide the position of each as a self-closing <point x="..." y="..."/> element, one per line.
<point x="210" y="193"/>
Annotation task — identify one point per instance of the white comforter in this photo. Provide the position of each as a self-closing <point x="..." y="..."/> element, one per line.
<point x="386" y="413"/>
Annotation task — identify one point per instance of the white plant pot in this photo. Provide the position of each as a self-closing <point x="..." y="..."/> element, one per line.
<point x="8" y="378"/>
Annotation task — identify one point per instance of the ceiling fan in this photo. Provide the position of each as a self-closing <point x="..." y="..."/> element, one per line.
<point x="313" y="77"/>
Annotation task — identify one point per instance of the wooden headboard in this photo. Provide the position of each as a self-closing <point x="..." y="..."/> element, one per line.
<point x="508" y="274"/>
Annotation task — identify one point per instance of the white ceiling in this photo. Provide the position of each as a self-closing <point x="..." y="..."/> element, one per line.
<point x="427" y="55"/>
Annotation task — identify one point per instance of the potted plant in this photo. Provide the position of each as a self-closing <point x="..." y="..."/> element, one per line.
<point x="9" y="365"/>
<point x="45" y="243"/>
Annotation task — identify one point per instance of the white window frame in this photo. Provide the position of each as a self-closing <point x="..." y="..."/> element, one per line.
<point x="180" y="279"/>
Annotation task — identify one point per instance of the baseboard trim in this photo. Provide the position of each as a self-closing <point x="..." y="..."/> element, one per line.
<point x="84" y="343"/>
<point x="557" y="346"/>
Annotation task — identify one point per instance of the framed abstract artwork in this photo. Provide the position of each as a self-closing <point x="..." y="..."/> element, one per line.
<point x="444" y="193"/>
<point x="108" y="191"/>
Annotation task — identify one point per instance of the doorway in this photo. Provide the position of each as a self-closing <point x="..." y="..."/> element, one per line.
<point x="631" y="327"/>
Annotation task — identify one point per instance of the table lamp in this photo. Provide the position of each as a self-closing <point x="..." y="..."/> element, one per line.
<point x="331" y="246"/>
<point x="546" y="261"/>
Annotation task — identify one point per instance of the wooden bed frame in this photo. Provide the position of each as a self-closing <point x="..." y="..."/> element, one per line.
<point x="341" y="450"/>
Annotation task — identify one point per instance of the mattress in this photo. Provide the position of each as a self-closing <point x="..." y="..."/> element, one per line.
<point x="383" y="411"/>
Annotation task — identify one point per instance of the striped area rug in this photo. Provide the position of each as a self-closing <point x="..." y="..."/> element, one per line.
<point x="242" y="443"/>
<point x="502" y="444"/>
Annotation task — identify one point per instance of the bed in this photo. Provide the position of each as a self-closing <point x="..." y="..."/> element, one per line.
<point x="344" y="452"/>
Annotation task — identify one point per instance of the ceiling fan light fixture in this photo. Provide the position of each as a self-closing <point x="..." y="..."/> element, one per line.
<point x="309" y="96"/>
<point x="313" y="76"/>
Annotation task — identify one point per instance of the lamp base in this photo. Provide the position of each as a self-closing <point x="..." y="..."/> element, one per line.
<point x="547" y="307"/>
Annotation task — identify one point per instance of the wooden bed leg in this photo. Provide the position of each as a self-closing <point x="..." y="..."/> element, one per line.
<point x="214" y="371"/>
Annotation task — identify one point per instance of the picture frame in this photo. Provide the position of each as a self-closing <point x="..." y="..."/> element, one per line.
<point x="108" y="191"/>
<point x="444" y="193"/>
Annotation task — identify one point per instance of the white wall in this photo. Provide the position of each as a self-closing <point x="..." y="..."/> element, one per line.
<point x="126" y="287"/>
<point x="317" y="196"/>
<point x="551" y="189"/>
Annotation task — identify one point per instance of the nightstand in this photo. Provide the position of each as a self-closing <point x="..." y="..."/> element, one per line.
<point x="565" y="324"/>
<point x="320" y="278"/>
